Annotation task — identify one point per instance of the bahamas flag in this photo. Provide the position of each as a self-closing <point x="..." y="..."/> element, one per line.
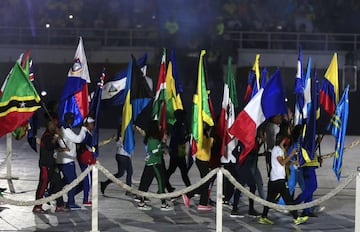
<point x="337" y="127"/>
<point x="329" y="92"/>
<point x="201" y="112"/>
<point x="74" y="97"/>
<point x="137" y="96"/>
<point x="18" y="98"/>
<point x="159" y="106"/>
<point x="173" y="90"/>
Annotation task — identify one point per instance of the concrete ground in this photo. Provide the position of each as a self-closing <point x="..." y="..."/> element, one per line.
<point x="118" y="212"/>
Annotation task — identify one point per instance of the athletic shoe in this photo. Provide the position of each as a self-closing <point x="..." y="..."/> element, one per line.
<point x="235" y="214"/>
<point x="186" y="200"/>
<point x="254" y="213"/>
<point x="265" y="221"/>
<point x="300" y="220"/>
<point x="60" y="209"/>
<point x="204" y="207"/>
<point x="166" y="207"/>
<point x="38" y="209"/>
<point x="87" y="203"/>
<point x="227" y="204"/>
<point x="143" y="206"/>
<point x="139" y="199"/>
<point x="102" y="187"/>
<point x="74" y="207"/>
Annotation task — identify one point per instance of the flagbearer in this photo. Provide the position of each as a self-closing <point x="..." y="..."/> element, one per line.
<point x="66" y="159"/>
<point x="87" y="156"/>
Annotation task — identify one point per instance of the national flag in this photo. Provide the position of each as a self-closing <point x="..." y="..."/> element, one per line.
<point x="299" y="90"/>
<point x="337" y="127"/>
<point x="74" y="97"/>
<point x="227" y="114"/>
<point x="309" y="133"/>
<point x="173" y="90"/>
<point x="33" y="120"/>
<point x="329" y="92"/>
<point x="253" y="80"/>
<point x="266" y="103"/>
<point x="113" y="93"/>
<point x="159" y="104"/>
<point x="18" y="99"/>
<point x="138" y="96"/>
<point x="201" y="109"/>
<point x="263" y="78"/>
<point x="94" y="111"/>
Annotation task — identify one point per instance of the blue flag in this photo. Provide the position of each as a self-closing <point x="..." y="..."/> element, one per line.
<point x="274" y="90"/>
<point x="113" y="93"/>
<point x="337" y="127"/>
<point x="94" y="111"/>
<point x="309" y="137"/>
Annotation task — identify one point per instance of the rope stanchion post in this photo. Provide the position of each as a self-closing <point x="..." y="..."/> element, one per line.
<point x="357" y="201"/>
<point x="95" y="198"/>
<point x="219" y="198"/>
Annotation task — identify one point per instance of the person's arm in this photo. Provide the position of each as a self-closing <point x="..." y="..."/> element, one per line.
<point x="75" y="138"/>
<point x="283" y="161"/>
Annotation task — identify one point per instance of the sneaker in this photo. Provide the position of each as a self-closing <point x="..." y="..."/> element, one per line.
<point x="38" y="209"/>
<point x="139" y="199"/>
<point x="87" y="203"/>
<point x="186" y="200"/>
<point x="235" y="214"/>
<point x="73" y="206"/>
<point x="265" y="221"/>
<point x="300" y="220"/>
<point x="166" y="207"/>
<point x="143" y="206"/>
<point x="227" y="204"/>
<point x="254" y="213"/>
<point x="212" y="203"/>
<point x="204" y="207"/>
<point x="102" y="187"/>
<point x="60" y="209"/>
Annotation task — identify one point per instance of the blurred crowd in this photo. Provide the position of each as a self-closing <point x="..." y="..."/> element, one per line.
<point x="246" y="15"/>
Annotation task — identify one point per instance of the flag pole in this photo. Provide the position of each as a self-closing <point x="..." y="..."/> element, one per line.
<point x="9" y="153"/>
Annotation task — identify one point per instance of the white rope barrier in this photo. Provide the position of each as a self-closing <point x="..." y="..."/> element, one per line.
<point x="66" y="189"/>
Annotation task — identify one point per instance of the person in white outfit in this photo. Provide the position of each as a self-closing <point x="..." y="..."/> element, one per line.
<point x="66" y="159"/>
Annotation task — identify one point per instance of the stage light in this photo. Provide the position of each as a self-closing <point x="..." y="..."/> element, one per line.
<point x="47" y="25"/>
<point x="43" y="93"/>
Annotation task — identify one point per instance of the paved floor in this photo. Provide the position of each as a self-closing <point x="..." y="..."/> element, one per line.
<point x="118" y="212"/>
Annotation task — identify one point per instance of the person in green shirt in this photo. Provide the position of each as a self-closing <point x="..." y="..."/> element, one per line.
<point x="155" y="148"/>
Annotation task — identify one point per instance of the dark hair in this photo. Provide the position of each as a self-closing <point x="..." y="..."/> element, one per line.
<point x="152" y="131"/>
<point x="296" y="132"/>
<point x="279" y="138"/>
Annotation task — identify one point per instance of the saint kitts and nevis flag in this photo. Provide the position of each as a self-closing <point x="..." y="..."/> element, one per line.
<point x="74" y="97"/>
<point x="201" y="111"/>
<point x="18" y="98"/>
<point x="159" y="105"/>
<point x="227" y="114"/>
<point x="268" y="102"/>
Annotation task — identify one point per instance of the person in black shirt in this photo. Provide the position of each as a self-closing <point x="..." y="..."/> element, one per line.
<point x="49" y="172"/>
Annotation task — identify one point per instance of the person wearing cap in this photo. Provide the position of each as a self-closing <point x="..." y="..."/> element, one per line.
<point x="87" y="156"/>
<point x="66" y="159"/>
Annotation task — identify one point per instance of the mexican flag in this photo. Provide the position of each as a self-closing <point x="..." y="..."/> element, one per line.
<point x="227" y="114"/>
<point x="18" y="99"/>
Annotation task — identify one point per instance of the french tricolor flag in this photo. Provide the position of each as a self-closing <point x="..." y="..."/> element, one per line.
<point x="75" y="93"/>
<point x="268" y="102"/>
